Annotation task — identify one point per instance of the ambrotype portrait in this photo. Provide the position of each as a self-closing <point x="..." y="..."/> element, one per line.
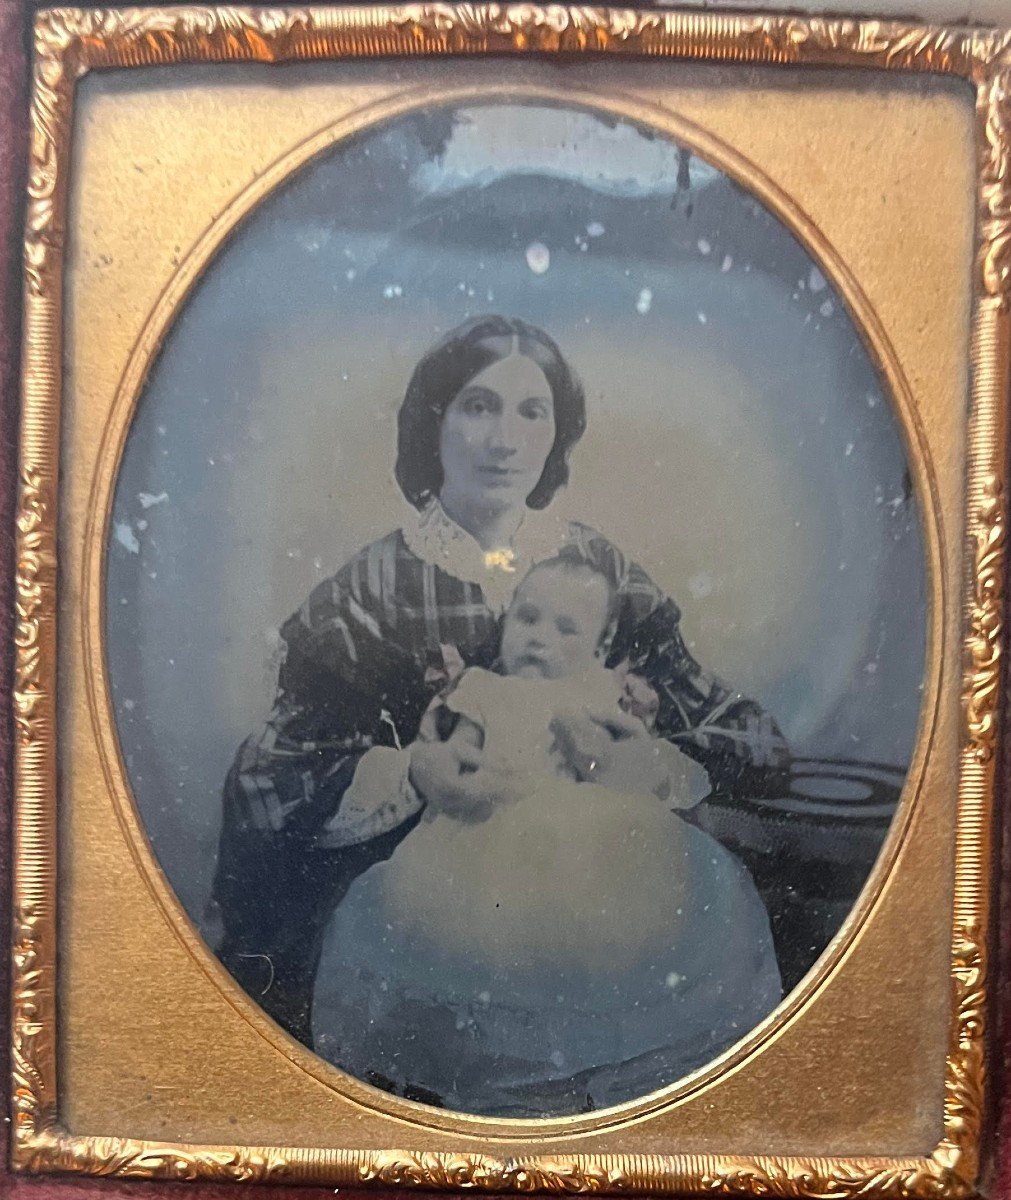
<point x="516" y="608"/>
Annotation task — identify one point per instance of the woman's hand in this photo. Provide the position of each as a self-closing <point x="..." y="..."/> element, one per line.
<point x="453" y="778"/>
<point x="617" y="751"/>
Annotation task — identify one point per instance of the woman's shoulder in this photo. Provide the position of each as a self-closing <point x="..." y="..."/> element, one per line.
<point x="602" y="552"/>
<point x="357" y="583"/>
<point x="595" y="547"/>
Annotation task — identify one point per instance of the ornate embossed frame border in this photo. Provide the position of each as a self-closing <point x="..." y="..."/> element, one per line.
<point x="69" y="43"/>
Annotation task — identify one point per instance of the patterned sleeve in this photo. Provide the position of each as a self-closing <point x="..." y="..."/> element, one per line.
<point x="732" y="736"/>
<point x="344" y="688"/>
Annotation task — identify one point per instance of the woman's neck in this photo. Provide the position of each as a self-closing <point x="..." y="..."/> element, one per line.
<point x="492" y="527"/>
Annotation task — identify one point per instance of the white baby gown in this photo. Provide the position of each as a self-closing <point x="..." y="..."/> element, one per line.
<point x="580" y="948"/>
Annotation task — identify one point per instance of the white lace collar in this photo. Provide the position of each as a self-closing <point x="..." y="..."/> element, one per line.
<point x="437" y="539"/>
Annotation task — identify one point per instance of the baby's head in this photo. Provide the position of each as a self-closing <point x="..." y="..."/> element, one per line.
<point x="557" y="622"/>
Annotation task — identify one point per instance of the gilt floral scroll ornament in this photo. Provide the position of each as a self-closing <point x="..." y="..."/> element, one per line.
<point x="70" y="42"/>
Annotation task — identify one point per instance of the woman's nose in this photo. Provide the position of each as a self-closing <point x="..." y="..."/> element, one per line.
<point x="503" y="440"/>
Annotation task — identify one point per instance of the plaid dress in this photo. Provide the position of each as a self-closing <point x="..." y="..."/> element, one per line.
<point x="365" y="656"/>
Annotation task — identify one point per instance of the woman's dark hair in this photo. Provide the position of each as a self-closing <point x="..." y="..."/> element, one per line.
<point x="446" y="369"/>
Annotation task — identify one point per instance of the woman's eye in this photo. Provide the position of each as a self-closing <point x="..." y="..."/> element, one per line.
<point x="535" y="410"/>
<point x="475" y="406"/>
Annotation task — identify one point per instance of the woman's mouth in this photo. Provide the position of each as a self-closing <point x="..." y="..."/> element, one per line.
<point x="495" y="474"/>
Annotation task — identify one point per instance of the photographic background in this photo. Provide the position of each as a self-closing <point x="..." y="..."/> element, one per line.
<point x="739" y="442"/>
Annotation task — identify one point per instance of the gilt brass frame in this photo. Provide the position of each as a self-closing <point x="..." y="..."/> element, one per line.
<point x="70" y="43"/>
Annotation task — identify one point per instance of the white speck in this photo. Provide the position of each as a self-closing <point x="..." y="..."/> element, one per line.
<point x="484" y="997"/>
<point x="642" y="305"/>
<point x="126" y="537"/>
<point x="728" y="262"/>
<point x="703" y="319"/>
<point x="491" y="296"/>
<point x="595" y="229"/>
<point x="147" y="500"/>
<point x="210" y="462"/>
<point x="142" y="524"/>
<point x="842" y="566"/>
<point x="461" y="286"/>
<point x="557" y="1058"/>
<point x="871" y="668"/>
<point x="701" y="585"/>
<point x="129" y="705"/>
<point x="391" y="290"/>
<point x="816" y="280"/>
<point x="827" y="308"/>
<point x="318" y="564"/>
<point x="872" y="400"/>
<point x="673" y="979"/>
<point x="849" y="449"/>
<point x="704" y="246"/>
<point x="123" y="600"/>
<point x="349" y="274"/>
<point x="538" y="257"/>
<point x="162" y="431"/>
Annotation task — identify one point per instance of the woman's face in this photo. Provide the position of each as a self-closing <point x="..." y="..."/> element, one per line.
<point x="496" y="435"/>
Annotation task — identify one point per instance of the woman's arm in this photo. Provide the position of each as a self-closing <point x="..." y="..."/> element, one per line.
<point x="343" y="690"/>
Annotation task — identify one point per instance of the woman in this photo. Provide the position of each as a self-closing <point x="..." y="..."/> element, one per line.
<point x="488" y="423"/>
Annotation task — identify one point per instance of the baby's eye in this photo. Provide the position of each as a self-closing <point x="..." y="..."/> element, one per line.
<point x="566" y="627"/>
<point x="526" y="616"/>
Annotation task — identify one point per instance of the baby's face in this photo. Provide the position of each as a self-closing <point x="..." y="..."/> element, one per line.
<point x="555" y="623"/>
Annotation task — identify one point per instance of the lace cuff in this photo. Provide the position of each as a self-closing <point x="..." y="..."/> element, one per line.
<point x="379" y="798"/>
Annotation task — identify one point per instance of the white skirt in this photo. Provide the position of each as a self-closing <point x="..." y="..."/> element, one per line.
<point x="577" y="950"/>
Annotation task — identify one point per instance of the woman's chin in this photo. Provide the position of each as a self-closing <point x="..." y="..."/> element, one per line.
<point x="506" y="494"/>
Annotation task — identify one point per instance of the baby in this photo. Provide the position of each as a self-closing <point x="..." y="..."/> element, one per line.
<point x="554" y="639"/>
<point x="560" y="844"/>
<point x="582" y="941"/>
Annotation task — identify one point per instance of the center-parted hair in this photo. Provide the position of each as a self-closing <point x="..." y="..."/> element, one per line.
<point x="448" y="367"/>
